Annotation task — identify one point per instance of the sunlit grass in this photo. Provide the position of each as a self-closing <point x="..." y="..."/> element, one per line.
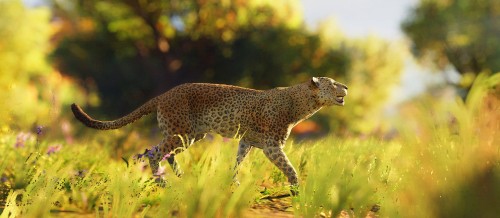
<point x="344" y="174"/>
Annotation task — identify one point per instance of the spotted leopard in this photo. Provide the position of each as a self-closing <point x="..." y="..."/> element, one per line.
<point x="260" y="118"/>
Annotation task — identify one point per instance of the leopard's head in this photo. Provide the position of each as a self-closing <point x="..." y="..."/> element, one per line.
<point x="329" y="92"/>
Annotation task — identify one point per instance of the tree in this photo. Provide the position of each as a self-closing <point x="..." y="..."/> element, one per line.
<point x="374" y="70"/>
<point x="32" y="92"/>
<point x="462" y="33"/>
<point x="24" y="37"/>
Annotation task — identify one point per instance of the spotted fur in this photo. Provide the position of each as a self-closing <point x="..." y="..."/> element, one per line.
<point x="262" y="119"/>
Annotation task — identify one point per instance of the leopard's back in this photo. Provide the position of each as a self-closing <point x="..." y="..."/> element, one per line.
<point x="202" y="107"/>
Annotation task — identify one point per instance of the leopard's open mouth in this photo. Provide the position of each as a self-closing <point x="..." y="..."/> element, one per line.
<point x="340" y="99"/>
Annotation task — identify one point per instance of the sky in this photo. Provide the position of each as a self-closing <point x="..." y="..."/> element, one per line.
<point x="358" y="18"/>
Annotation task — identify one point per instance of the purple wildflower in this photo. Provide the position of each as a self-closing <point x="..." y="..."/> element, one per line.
<point x="53" y="149"/>
<point x="66" y="130"/>
<point x="21" y="139"/>
<point x="150" y="154"/>
<point x="160" y="172"/>
<point x="139" y="156"/>
<point x="39" y="130"/>
<point x="166" y="156"/>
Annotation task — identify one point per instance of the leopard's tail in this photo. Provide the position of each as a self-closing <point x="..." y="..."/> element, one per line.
<point x="143" y="110"/>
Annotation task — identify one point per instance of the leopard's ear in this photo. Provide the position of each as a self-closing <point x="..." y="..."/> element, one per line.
<point x="315" y="82"/>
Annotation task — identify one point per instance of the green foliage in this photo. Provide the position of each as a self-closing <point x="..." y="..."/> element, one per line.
<point x="374" y="71"/>
<point x="206" y="190"/>
<point x="24" y="35"/>
<point x="39" y="183"/>
<point x="456" y="153"/>
<point x="462" y="33"/>
<point x="32" y="93"/>
<point x="346" y="174"/>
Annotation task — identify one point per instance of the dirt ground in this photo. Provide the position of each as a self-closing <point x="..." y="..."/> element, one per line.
<point x="281" y="207"/>
<point x="272" y="206"/>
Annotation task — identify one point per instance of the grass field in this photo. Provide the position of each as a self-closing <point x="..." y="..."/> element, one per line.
<point x="444" y="162"/>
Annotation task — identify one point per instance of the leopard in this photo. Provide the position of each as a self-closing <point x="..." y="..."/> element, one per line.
<point x="260" y="119"/>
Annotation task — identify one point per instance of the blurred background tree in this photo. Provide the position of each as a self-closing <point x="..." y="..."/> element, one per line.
<point x="375" y="70"/>
<point x="22" y="58"/>
<point x="462" y="33"/>
<point x="31" y="92"/>
<point x="29" y="86"/>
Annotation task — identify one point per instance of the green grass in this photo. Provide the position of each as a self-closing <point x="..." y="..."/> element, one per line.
<point x="445" y="162"/>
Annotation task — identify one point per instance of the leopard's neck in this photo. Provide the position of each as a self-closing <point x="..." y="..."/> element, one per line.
<point x="304" y="103"/>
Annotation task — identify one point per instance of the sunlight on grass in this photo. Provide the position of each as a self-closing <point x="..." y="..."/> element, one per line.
<point x="344" y="174"/>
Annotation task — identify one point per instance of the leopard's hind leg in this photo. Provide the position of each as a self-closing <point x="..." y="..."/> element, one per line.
<point x="155" y="156"/>
<point x="243" y="150"/>
<point x="168" y="149"/>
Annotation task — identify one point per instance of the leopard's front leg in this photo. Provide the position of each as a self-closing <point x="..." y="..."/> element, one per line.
<point x="276" y="155"/>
